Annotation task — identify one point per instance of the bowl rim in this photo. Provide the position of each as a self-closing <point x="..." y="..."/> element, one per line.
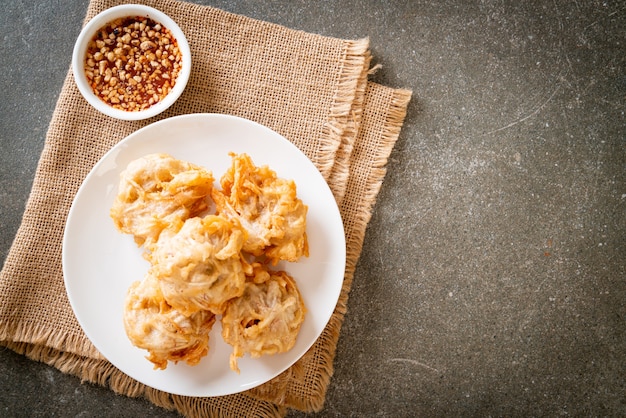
<point x="106" y="16"/>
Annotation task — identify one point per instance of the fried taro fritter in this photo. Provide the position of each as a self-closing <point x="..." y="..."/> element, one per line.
<point x="154" y="191"/>
<point x="267" y="207"/>
<point x="198" y="263"/>
<point x="266" y="319"/>
<point x="168" y="335"/>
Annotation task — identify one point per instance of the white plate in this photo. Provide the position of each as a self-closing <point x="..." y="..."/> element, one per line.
<point x="99" y="262"/>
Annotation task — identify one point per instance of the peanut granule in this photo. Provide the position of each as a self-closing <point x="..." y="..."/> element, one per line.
<point x="132" y="63"/>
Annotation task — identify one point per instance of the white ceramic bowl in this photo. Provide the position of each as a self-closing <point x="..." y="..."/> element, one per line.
<point x="129" y="10"/>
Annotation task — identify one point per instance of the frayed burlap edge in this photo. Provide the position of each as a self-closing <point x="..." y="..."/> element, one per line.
<point x="102" y="373"/>
<point x="340" y="129"/>
<point x="49" y="337"/>
<point x="338" y="179"/>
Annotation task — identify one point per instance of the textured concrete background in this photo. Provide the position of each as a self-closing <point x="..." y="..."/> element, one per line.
<point x="492" y="280"/>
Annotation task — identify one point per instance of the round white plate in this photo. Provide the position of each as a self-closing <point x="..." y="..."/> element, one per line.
<point x="99" y="262"/>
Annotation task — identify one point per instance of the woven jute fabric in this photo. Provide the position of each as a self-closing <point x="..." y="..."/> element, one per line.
<point x="311" y="89"/>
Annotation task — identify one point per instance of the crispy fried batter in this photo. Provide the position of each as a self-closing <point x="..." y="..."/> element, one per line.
<point x="198" y="268"/>
<point x="154" y="191"/>
<point x="267" y="207"/>
<point x="266" y="319"/>
<point x="198" y="263"/>
<point x="168" y="335"/>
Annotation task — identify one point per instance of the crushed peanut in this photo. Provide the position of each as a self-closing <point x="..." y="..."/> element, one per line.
<point x="132" y="63"/>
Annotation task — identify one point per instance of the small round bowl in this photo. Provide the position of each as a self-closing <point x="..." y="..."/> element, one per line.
<point x="107" y="16"/>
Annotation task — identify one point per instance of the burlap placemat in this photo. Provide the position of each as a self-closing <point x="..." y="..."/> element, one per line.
<point x="311" y="89"/>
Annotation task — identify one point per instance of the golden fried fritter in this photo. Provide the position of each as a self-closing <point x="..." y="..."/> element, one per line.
<point x="168" y="335"/>
<point x="198" y="263"/>
<point x="156" y="190"/>
<point x="266" y="319"/>
<point x="267" y="207"/>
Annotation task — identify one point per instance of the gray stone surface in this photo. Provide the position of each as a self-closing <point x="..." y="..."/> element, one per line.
<point x="492" y="279"/>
